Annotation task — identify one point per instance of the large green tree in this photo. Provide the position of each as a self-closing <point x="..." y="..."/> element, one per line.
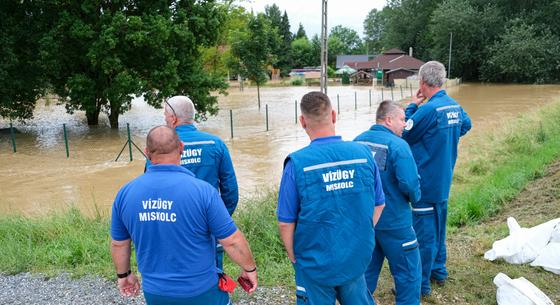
<point x="281" y="23"/>
<point x="343" y="41"/>
<point x="302" y="53"/>
<point x="253" y="50"/>
<point x="21" y="73"/>
<point x="374" y="27"/>
<point x="102" y="53"/>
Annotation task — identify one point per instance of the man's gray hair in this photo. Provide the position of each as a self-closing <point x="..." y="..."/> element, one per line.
<point x="385" y="109"/>
<point x="183" y="108"/>
<point x="432" y="73"/>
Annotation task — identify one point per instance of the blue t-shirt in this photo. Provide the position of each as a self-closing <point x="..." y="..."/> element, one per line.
<point x="398" y="173"/>
<point x="172" y="228"/>
<point x="288" y="197"/>
<point x="433" y="131"/>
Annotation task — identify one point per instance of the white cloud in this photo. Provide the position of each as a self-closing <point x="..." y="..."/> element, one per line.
<point x="349" y="13"/>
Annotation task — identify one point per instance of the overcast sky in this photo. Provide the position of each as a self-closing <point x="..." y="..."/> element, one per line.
<point x="349" y="13"/>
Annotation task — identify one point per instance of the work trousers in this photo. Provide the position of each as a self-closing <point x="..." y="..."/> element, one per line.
<point x="213" y="296"/>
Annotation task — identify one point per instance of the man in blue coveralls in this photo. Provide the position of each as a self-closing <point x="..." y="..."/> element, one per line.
<point x="173" y="220"/>
<point x="204" y="154"/>
<point x="330" y="197"/>
<point x="433" y="133"/>
<point x="394" y="236"/>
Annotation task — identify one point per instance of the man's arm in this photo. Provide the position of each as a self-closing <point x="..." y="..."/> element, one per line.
<point x="377" y="213"/>
<point x="406" y="173"/>
<point x="120" y="251"/>
<point x="379" y="195"/>
<point x="287" y="235"/>
<point x="238" y="250"/>
<point x="228" y="181"/>
<point x="466" y="125"/>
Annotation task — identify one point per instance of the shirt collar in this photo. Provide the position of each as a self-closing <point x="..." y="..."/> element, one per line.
<point x="168" y="168"/>
<point x="438" y="94"/>
<point x="186" y="127"/>
<point x="325" y="140"/>
<point x="379" y="127"/>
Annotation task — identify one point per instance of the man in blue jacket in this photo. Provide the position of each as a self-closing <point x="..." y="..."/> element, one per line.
<point x="174" y="220"/>
<point x="394" y="236"/>
<point x="204" y="154"/>
<point x="433" y="133"/>
<point x="330" y="197"/>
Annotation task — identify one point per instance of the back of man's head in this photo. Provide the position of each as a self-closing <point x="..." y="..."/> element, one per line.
<point x="182" y="108"/>
<point x="432" y="73"/>
<point x="385" y="109"/>
<point x="316" y="106"/>
<point x="162" y="141"/>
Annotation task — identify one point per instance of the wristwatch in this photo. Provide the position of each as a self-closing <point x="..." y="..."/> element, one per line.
<point x="123" y="275"/>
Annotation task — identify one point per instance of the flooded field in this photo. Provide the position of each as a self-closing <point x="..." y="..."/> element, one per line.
<point x="39" y="178"/>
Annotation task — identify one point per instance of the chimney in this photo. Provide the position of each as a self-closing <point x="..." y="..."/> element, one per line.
<point x="410" y="51"/>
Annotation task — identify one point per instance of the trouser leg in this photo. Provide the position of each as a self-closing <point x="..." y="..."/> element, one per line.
<point x="309" y="292"/>
<point x="439" y="272"/>
<point x="374" y="267"/>
<point x="424" y="222"/>
<point x="401" y="248"/>
<point x="212" y="296"/>
<point x="354" y="292"/>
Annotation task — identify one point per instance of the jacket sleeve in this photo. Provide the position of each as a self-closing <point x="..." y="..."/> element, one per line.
<point x="410" y="110"/>
<point x="418" y="124"/>
<point x="407" y="174"/>
<point x="228" y="181"/>
<point x="467" y="124"/>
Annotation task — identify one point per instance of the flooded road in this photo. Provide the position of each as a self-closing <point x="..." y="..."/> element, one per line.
<point x="39" y="178"/>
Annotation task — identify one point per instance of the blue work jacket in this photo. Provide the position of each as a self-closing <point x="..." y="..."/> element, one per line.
<point x="433" y="131"/>
<point x="399" y="176"/>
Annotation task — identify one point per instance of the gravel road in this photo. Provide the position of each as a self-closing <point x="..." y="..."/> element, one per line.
<point x="26" y="288"/>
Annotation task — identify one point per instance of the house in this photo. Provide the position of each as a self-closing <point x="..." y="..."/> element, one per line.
<point x="394" y="63"/>
<point x="342" y="59"/>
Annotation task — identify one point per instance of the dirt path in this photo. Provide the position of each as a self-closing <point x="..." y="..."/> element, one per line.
<point x="470" y="274"/>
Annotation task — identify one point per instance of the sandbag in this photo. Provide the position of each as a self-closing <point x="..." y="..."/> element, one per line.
<point x="522" y="245"/>
<point x="549" y="256"/>
<point x="518" y="292"/>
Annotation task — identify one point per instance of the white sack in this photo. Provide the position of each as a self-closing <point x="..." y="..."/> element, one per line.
<point x="522" y="245"/>
<point x="518" y="292"/>
<point x="549" y="256"/>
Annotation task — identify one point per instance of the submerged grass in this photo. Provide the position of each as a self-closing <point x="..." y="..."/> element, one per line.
<point x="494" y="167"/>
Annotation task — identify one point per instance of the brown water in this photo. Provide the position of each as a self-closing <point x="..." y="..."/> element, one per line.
<point x="38" y="178"/>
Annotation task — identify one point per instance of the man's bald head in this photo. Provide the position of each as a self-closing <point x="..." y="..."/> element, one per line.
<point x="163" y="142"/>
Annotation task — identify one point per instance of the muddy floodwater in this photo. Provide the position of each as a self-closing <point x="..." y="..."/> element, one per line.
<point x="38" y="178"/>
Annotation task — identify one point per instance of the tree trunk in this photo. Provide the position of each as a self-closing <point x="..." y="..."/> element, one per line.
<point x="93" y="116"/>
<point x="114" y="116"/>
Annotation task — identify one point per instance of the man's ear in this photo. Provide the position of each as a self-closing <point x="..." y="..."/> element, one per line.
<point x="148" y="155"/>
<point x="180" y="146"/>
<point x="302" y="121"/>
<point x="333" y="116"/>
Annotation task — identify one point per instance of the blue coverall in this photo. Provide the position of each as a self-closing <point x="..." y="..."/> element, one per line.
<point x="329" y="190"/>
<point x="395" y="238"/>
<point x="433" y="133"/>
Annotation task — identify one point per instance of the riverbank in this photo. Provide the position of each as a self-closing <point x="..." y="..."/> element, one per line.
<point x="496" y="164"/>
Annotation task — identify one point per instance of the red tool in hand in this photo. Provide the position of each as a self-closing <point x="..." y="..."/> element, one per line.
<point x="245" y="283"/>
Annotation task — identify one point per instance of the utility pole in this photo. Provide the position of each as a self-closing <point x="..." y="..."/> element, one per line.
<point x="450" y="45"/>
<point x="324" y="47"/>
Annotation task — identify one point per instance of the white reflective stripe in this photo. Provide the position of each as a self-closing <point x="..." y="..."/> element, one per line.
<point x="219" y="246"/>
<point x="198" y="143"/>
<point x="410" y="243"/>
<point x="423" y="209"/>
<point x="299" y="288"/>
<point x="373" y="144"/>
<point x="331" y="164"/>
<point x="447" y="107"/>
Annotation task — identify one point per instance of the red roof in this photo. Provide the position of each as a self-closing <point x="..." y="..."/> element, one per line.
<point x="388" y="61"/>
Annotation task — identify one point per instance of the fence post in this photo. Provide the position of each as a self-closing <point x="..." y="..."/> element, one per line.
<point x="13" y="136"/>
<point x="295" y="108"/>
<point x="392" y="96"/>
<point x="355" y="100"/>
<point x="370" y="97"/>
<point x="338" y="103"/>
<point x="66" y="140"/>
<point x="129" y="141"/>
<point x="402" y="96"/>
<point x="266" y="106"/>
<point x="410" y="89"/>
<point x="382" y="95"/>
<point x="231" y="122"/>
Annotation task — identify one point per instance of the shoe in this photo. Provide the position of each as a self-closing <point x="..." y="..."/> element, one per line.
<point x="440" y="283"/>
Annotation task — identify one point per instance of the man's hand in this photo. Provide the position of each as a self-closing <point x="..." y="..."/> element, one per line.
<point x="418" y="98"/>
<point x="251" y="277"/>
<point x="129" y="286"/>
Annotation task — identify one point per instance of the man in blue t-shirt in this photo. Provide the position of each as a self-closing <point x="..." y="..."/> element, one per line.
<point x="174" y="219"/>
<point x="433" y="133"/>
<point x="204" y="154"/>
<point x="394" y="236"/>
<point x="330" y="197"/>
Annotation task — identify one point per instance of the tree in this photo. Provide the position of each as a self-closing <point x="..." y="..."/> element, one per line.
<point x="253" y="48"/>
<point x="316" y="50"/>
<point x="302" y="53"/>
<point x="301" y="32"/>
<point x="343" y="40"/>
<point x="101" y="54"/>
<point x="22" y="80"/>
<point x="523" y="53"/>
<point x="281" y="23"/>
<point x="374" y="26"/>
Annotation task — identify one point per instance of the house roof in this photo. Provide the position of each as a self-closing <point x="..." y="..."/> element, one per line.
<point x="342" y="59"/>
<point x="390" y="60"/>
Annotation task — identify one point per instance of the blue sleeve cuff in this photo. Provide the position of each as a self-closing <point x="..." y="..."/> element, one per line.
<point x="227" y="232"/>
<point x="287" y="219"/>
